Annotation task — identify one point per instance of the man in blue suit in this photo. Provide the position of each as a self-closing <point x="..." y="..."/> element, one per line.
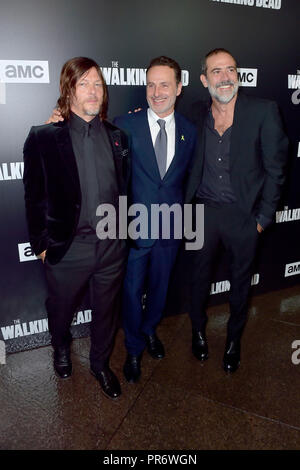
<point x="162" y="146"/>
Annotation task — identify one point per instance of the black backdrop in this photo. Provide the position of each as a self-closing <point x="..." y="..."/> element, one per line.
<point x="122" y="36"/>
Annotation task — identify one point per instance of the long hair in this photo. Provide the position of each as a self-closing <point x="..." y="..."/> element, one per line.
<point x="71" y="72"/>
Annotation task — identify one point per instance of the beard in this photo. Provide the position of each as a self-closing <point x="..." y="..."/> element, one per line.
<point x="226" y="98"/>
<point x="94" y="111"/>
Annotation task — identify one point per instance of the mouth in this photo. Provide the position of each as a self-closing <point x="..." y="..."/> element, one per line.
<point x="225" y="85"/>
<point x="158" y="100"/>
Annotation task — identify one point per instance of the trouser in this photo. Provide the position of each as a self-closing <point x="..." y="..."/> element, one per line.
<point x="89" y="263"/>
<point x="148" y="271"/>
<point x="227" y="225"/>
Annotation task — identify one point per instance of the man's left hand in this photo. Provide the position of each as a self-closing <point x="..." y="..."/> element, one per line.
<point x="259" y="228"/>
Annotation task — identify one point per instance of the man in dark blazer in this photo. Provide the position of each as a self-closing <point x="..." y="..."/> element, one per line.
<point x="152" y="256"/>
<point x="237" y="174"/>
<point x="70" y="168"/>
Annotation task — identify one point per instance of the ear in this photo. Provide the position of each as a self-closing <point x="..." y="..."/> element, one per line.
<point x="203" y="80"/>
<point x="179" y="88"/>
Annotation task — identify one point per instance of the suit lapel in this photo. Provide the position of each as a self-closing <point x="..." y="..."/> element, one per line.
<point x="239" y="122"/>
<point x="144" y="146"/>
<point x="120" y="153"/>
<point x="200" y="146"/>
<point x="180" y="145"/>
<point x="197" y="166"/>
<point x="64" y="144"/>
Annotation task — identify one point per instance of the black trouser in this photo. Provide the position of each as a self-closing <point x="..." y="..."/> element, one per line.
<point x="99" y="265"/>
<point x="225" y="224"/>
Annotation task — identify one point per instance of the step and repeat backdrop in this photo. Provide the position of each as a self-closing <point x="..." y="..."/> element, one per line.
<point x="36" y="40"/>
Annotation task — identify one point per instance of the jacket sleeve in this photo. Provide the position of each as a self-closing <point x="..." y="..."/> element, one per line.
<point x="35" y="193"/>
<point x="274" y="147"/>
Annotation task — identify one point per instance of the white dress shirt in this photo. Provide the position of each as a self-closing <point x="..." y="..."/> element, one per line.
<point x="170" y="130"/>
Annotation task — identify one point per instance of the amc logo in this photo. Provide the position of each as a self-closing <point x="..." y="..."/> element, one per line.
<point x="292" y="269"/>
<point x="247" y="77"/>
<point x="24" y="71"/>
<point x="26" y="253"/>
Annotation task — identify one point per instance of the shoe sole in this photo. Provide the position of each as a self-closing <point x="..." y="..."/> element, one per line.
<point x="60" y="377"/>
<point x="229" y="370"/>
<point x="63" y="378"/>
<point x="201" y="358"/>
<point x="108" y="396"/>
<point x="103" y="392"/>
<point x="154" y="356"/>
<point x="132" y="381"/>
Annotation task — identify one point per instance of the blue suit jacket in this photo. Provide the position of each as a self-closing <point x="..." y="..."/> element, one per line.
<point x="146" y="186"/>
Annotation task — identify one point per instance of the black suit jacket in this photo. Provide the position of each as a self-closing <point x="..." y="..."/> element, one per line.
<point x="52" y="187"/>
<point x="258" y="154"/>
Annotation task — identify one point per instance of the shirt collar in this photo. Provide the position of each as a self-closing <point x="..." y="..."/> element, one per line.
<point x="153" y="117"/>
<point x="78" y="124"/>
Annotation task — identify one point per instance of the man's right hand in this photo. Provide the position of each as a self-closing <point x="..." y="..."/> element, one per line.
<point x="55" y="116"/>
<point x="135" y="111"/>
<point x="42" y="256"/>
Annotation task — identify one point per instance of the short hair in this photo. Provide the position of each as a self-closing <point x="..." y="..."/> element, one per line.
<point x="71" y="72"/>
<point x="167" y="61"/>
<point x="213" y="52"/>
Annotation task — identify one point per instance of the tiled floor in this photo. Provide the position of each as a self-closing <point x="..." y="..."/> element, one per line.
<point x="178" y="404"/>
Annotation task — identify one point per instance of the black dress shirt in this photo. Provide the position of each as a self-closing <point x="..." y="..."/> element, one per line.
<point x="215" y="186"/>
<point x="98" y="159"/>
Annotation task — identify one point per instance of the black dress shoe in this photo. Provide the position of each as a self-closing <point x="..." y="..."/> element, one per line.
<point x="132" y="368"/>
<point x="199" y="345"/>
<point x="155" y="347"/>
<point x="62" y="362"/>
<point x="109" y="383"/>
<point x="232" y="356"/>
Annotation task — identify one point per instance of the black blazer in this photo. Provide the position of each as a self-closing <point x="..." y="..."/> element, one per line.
<point x="52" y="186"/>
<point x="258" y="154"/>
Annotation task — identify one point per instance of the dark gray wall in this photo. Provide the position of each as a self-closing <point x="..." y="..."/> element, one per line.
<point x="131" y="33"/>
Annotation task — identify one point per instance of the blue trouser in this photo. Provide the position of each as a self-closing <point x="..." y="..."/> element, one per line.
<point x="148" y="272"/>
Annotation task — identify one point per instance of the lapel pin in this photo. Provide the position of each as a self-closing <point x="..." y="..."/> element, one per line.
<point x="182" y="137"/>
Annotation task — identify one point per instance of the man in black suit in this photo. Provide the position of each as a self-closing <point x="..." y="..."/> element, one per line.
<point x="70" y="168"/>
<point x="237" y="174"/>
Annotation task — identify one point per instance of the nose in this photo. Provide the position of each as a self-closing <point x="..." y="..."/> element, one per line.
<point x="156" y="90"/>
<point x="92" y="89"/>
<point x="224" y="75"/>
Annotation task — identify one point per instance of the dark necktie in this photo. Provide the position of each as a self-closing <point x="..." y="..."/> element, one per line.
<point x="91" y="182"/>
<point x="161" y="147"/>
